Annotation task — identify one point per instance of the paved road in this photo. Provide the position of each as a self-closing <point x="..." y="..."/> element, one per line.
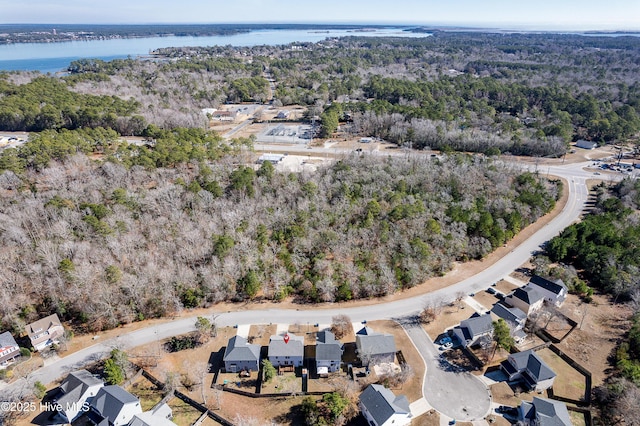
<point x="456" y="394"/>
<point x="578" y="194"/>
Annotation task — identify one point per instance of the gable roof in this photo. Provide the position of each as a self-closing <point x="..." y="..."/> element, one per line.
<point x="110" y="401"/>
<point x="547" y="412"/>
<point x="382" y="403"/>
<point x="555" y="287"/>
<point x="43" y="324"/>
<point x="372" y="343"/>
<point x="512" y="315"/>
<point x="327" y="347"/>
<point x="7" y="340"/>
<point x="75" y="385"/>
<point x="527" y="294"/>
<point x="295" y="346"/>
<point x="159" y="416"/>
<point x="239" y="350"/>
<point x="477" y="325"/>
<point x="530" y="361"/>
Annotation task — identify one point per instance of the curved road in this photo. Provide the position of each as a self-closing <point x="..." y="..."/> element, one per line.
<point x="578" y="193"/>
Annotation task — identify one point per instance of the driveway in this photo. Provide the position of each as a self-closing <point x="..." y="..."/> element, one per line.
<point x="458" y="395"/>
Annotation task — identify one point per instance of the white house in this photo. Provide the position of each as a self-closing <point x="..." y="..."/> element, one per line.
<point x="158" y="416"/>
<point x="528" y="299"/>
<point x="380" y="407"/>
<point x="45" y="332"/>
<point x="286" y="350"/>
<point x="9" y="349"/>
<point x="529" y="368"/>
<point x="554" y="292"/>
<point x="76" y="392"/>
<point x="115" y="405"/>
<point x="328" y="353"/>
<point x="586" y="144"/>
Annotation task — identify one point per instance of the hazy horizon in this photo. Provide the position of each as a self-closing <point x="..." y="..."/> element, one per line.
<point x="544" y="15"/>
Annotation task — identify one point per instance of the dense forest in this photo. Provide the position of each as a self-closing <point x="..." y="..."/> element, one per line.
<point x="604" y="249"/>
<point x="108" y="243"/>
<point x="528" y="94"/>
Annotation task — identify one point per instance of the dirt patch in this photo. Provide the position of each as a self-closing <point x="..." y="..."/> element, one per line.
<point x="449" y="316"/>
<point x="505" y="287"/>
<point x="601" y="325"/>
<point x="283" y="383"/>
<point x="309" y="331"/>
<point x="430" y="418"/>
<point x="265" y="410"/>
<point x="261" y="333"/>
<point x="486" y="299"/>
<point x="412" y="389"/>
<point x="503" y="394"/>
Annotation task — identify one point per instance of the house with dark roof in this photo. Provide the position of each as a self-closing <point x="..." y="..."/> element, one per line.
<point x="328" y="353"/>
<point x="543" y="412"/>
<point x="241" y="355"/>
<point x="375" y="348"/>
<point x="113" y="406"/>
<point x="474" y="330"/>
<point x="380" y="407"/>
<point x="554" y="292"/>
<point x="514" y="317"/>
<point x="286" y="351"/>
<point x="528" y="299"/>
<point x="158" y="416"/>
<point x="75" y="394"/>
<point x="45" y="332"/>
<point x="9" y="349"/>
<point x="529" y="368"/>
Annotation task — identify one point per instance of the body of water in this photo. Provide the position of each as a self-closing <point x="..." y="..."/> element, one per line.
<point x="54" y="57"/>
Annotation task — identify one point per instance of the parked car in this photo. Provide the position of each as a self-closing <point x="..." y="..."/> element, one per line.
<point x="491" y="290"/>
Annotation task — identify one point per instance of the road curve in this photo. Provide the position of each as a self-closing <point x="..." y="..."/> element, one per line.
<point x="578" y="194"/>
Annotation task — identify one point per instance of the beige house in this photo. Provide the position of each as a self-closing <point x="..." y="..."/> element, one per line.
<point x="45" y="332"/>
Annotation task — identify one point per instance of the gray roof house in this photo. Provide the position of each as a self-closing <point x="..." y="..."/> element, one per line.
<point x="471" y="331"/>
<point x="45" y="332"/>
<point x="158" y="416"/>
<point x="9" y="349"/>
<point x="528" y="299"/>
<point x="544" y="412"/>
<point x="529" y="368"/>
<point x="554" y="292"/>
<point x="586" y="144"/>
<point x="114" y="406"/>
<point x="513" y="316"/>
<point x="75" y="394"/>
<point x="240" y="355"/>
<point x="286" y="352"/>
<point x="328" y="353"/>
<point x="382" y="408"/>
<point x="375" y="348"/>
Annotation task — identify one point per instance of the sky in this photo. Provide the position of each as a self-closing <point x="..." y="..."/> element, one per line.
<point x="567" y="15"/>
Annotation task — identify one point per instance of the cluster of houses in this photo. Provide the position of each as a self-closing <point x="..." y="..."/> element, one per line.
<point x="286" y="352"/>
<point x="83" y="399"/>
<point x="514" y="310"/>
<point x="42" y="334"/>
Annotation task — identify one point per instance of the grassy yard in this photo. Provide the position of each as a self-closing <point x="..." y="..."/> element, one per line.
<point x="285" y="383"/>
<point x="261" y="333"/>
<point x="449" y="316"/>
<point x="486" y="299"/>
<point x="147" y="392"/>
<point x="183" y="413"/>
<point x="569" y="383"/>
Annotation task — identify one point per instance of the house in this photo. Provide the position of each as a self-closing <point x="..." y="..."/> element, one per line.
<point x="380" y="407"/>
<point x="328" y="353"/>
<point x="586" y="144"/>
<point x="283" y="114"/>
<point x="241" y="356"/>
<point x="113" y="406"/>
<point x="287" y="350"/>
<point x="158" y="416"/>
<point x="272" y="158"/>
<point x="75" y="393"/>
<point x="474" y="330"/>
<point x="512" y="316"/>
<point x="528" y="299"/>
<point x="375" y="348"/>
<point x="45" y="332"/>
<point x="554" y="292"/>
<point x="544" y="412"/>
<point x="9" y="349"/>
<point x="528" y="367"/>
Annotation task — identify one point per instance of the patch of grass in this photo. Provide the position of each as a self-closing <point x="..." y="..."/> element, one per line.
<point x="183" y="413"/>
